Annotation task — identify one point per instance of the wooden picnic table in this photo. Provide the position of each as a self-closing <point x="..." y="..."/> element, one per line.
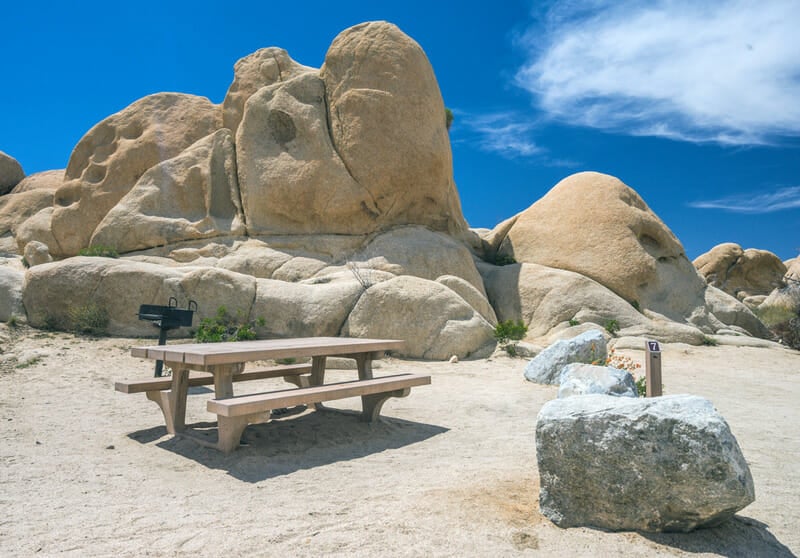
<point x="226" y="364"/>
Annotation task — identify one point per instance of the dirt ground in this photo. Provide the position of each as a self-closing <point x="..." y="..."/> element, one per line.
<point x="448" y="471"/>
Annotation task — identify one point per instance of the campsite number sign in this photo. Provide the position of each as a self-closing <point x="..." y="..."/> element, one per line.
<point x="653" y="368"/>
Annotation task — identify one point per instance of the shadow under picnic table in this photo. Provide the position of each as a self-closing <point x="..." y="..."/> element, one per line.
<point x="285" y="445"/>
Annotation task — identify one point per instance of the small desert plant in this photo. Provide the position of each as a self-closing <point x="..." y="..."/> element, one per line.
<point x="612" y="326"/>
<point x="224" y="327"/>
<point x="641" y="386"/>
<point x="362" y="275"/>
<point x="448" y="117"/>
<point x="88" y="319"/>
<point x="627" y="364"/>
<point x="287" y="360"/>
<point x="99" y="252"/>
<point x="709" y="341"/>
<point x="635" y="304"/>
<point x="25" y="263"/>
<point x="504" y="259"/>
<point x="508" y="332"/>
<point x="13" y="321"/>
<point x="573" y="322"/>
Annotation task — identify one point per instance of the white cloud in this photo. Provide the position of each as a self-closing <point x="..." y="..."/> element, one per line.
<point x="726" y="71"/>
<point x="784" y="198"/>
<point x="506" y="133"/>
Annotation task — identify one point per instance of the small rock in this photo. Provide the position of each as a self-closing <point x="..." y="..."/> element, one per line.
<point x="454" y="359"/>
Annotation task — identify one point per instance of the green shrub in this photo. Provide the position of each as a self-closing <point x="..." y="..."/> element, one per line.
<point x="612" y="326"/>
<point x="504" y="259"/>
<point x="510" y="330"/>
<point x="224" y="327"/>
<point x="709" y="341"/>
<point x="635" y="304"/>
<point x="89" y="319"/>
<point x="507" y="333"/>
<point x="573" y="322"/>
<point x="641" y="386"/>
<point x="783" y="323"/>
<point x="448" y="117"/>
<point x="99" y="252"/>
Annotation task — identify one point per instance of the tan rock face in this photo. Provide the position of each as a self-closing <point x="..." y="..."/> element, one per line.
<point x="388" y="125"/>
<point x="11" y="173"/>
<point x="264" y="67"/>
<point x="46" y="180"/>
<point x="192" y="196"/>
<point x="115" y="153"/>
<point x="595" y="225"/>
<point x="741" y="273"/>
<point x="434" y="321"/>
<point x="290" y="176"/>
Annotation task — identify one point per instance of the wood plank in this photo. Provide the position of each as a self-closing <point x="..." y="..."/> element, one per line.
<point x="260" y="402"/>
<point x="157" y="384"/>
<point x="206" y="354"/>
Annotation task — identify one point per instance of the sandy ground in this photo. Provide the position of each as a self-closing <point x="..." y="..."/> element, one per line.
<point x="449" y="471"/>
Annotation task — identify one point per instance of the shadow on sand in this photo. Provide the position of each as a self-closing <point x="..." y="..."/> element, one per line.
<point x="283" y="446"/>
<point x="741" y="537"/>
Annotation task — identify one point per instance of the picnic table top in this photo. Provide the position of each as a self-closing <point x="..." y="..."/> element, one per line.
<point x="206" y="354"/>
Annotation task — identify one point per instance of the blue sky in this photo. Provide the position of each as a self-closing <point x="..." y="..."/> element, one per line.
<point x="695" y="105"/>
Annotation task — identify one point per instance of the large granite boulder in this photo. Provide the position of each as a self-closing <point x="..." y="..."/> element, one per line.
<point x="15" y="209"/>
<point x="435" y="322"/>
<point x="387" y="122"/>
<point x="11" y="281"/>
<point x="115" y="153"/>
<point x="547" y="366"/>
<point x="291" y="177"/>
<point x="657" y="464"/>
<point x="11" y="173"/>
<point x="585" y="379"/>
<point x="264" y="67"/>
<point x="741" y="273"/>
<point x="60" y="294"/>
<point x="544" y="297"/>
<point x="304" y="309"/>
<point x="733" y="314"/>
<point x="45" y="180"/>
<point x="595" y="225"/>
<point x="192" y="196"/>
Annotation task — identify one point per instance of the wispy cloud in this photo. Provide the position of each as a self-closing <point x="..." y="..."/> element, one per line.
<point x="726" y="71"/>
<point x="506" y="133"/>
<point x="783" y="198"/>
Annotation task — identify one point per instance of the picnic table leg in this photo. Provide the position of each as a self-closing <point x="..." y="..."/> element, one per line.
<point x="364" y="363"/>
<point x="318" y="375"/>
<point x="223" y="379"/>
<point x="177" y="397"/>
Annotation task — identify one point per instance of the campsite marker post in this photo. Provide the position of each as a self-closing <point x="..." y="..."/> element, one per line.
<point x="653" y="368"/>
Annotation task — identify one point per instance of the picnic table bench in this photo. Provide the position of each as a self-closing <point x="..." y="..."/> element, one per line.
<point x="222" y="364"/>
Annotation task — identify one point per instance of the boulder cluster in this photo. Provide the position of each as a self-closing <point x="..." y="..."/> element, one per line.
<point x="323" y="200"/>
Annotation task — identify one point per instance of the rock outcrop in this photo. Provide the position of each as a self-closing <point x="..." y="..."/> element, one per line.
<point x="192" y="196"/>
<point x="444" y="324"/>
<point x="387" y="121"/>
<point x="11" y="173"/>
<point x="593" y="224"/>
<point x="11" y="282"/>
<point x="657" y="464"/>
<point x="114" y="154"/>
<point x="264" y="67"/>
<point x="741" y="273"/>
<point x="329" y="192"/>
<point x="30" y="196"/>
